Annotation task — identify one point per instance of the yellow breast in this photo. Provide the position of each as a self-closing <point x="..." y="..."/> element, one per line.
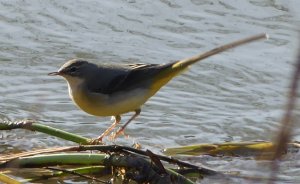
<point x="99" y="104"/>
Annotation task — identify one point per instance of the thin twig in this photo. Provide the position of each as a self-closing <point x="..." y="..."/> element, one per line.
<point x="285" y="133"/>
<point x="120" y="149"/>
<point x="155" y="160"/>
<point x="77" y="174"/>
<point x="36" y="152"/>
<point x="125" y="149"/>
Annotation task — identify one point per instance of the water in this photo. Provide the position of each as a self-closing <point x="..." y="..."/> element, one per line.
<point x="234" y="96"/>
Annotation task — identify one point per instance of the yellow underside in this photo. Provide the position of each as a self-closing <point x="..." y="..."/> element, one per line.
<point x="105" y="105"/>
<point x="118" y="103"/>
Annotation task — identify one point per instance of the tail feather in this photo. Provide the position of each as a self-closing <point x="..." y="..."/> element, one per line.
<point x="191" y="60"/>
<point x="179" y="66"/>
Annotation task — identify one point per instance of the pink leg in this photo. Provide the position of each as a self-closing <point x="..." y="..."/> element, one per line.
<point x="121" y="130"/>
<point x="107" y="131"/>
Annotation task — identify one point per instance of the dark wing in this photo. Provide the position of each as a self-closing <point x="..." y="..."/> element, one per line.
<point x="125" y="77"/>
<point x="140" y="75"/>
<point x="105" y="78"/>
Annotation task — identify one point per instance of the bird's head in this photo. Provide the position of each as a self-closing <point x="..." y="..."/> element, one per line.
<point x="75" y="70"/>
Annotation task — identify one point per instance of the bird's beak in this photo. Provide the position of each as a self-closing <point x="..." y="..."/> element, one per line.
<point x="54" y="73"/>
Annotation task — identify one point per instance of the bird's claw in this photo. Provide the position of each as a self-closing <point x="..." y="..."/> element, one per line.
<point x="97" y="141"/>
<point x="118" y="133"/>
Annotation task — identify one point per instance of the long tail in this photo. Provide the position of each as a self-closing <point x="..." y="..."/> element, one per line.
<point x="191" y="60"/>
<point x="177" y="67"/>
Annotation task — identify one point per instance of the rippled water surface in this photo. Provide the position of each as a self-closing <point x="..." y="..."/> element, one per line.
<point x="235" y="96"/>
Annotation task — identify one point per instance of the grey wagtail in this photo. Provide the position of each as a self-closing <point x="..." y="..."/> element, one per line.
<point x="112" y="90"/>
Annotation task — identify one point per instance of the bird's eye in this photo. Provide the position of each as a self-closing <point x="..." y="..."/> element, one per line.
<point x="72" y="69"/>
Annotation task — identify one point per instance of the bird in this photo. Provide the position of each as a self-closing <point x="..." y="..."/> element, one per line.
<point x="116" y="89"/>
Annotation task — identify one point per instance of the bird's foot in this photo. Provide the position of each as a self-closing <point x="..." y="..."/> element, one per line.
<point x="112" y="136"/>
<point x="97" y="141"/>
<point x="118" y="133"/>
